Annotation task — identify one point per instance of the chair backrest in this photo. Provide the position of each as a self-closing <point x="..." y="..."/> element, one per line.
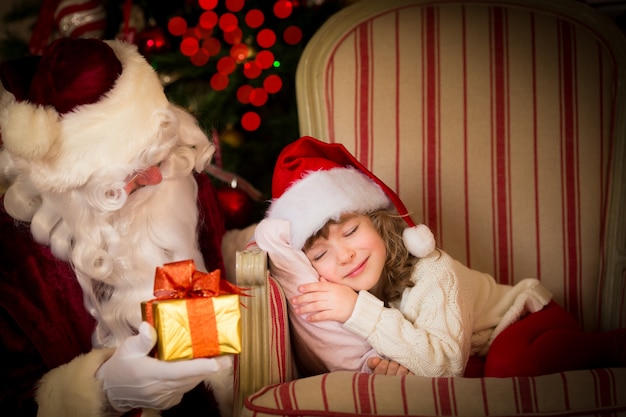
<point x="501" y="125"/>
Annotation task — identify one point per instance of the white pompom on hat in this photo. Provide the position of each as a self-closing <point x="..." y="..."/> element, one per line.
<point x="315" y="182"/>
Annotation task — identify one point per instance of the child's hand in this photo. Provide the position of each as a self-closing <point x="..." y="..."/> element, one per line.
<point x="380" y="366"/>
<point x="325" y="300"/>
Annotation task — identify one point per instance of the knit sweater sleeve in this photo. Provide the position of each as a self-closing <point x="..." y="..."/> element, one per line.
<point x="430" y="331"/>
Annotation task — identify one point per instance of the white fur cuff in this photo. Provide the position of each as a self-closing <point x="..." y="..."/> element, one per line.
<point x="72" y="390"/>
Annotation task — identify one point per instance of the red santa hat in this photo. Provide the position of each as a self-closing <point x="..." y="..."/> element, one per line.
<point x="82" y="105"/>
<point x="315" y="182"/>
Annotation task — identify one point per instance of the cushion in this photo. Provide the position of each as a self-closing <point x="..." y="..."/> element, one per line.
<point x="359" y="394"/>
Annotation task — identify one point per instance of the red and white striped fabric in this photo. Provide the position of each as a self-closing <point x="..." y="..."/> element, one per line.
<point x="580" y="393"/>
<point x="496" y="123"/>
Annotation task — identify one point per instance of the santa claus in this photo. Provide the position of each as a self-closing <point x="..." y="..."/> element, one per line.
<point x="104" y="170"/>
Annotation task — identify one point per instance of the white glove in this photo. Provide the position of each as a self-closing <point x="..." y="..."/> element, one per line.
<point x="131" y="379"/>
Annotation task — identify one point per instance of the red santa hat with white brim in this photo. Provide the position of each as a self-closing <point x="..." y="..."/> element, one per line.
<point x="79" y="107"/>
<point x="315" y="182"/>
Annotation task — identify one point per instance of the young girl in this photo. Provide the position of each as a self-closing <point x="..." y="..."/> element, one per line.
<point x="381" y="276"/>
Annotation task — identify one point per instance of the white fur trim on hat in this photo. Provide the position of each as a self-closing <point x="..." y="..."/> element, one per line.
<point x="324" y="195"/>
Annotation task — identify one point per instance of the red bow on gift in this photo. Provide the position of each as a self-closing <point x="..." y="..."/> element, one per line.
<point x="181" y="280"/>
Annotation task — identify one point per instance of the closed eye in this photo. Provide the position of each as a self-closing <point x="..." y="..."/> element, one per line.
<point x="318" y="256"/>
<point x="351" y="231"/>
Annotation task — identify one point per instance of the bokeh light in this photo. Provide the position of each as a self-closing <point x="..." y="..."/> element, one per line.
<point x="207" y="4"/>
<point x="251" y="70"/>
<point x="243" y="93"/>
<point x="239" y="52"/>
<point x="228" y="22"/>
<point x="200" y="58"/>
<point x="273" y="83"/>
<point x="254" y="18"/>
<point x="208" y="19"/>
<point x="264" y="59"/>
<point x="234" y="36"/>
<point x="212" y="45"/>
<point x="266" y="38"/>
<point x="258" y="97"/>
<point x="189" y="46"/>
<point x="292" y="35"/>
<point x="226" y="65"/>
<point x="282" y="9"/>
<point x="177" y="26"/>
<point x="250" y="121"/>
<point x="234" y="5"/>
<point x="219" y="81"/>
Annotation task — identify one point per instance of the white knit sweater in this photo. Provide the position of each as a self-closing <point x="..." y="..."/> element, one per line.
<point x="450" y="313"/>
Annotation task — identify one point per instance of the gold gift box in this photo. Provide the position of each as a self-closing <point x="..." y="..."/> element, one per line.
<point x="195" y="327"/>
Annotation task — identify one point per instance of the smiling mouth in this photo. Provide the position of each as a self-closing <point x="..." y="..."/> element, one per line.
<point x="356" y="271"/>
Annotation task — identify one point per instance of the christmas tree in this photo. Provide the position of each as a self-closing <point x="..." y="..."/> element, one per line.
<point x="231" y="63"/>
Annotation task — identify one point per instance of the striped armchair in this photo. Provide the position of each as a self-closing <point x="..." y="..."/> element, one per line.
<point x="502" y="126"/>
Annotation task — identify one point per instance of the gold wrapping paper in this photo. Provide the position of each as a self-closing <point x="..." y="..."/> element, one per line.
<point x="195" y="327"/>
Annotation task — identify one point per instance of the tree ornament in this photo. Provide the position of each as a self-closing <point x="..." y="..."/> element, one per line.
<point x="80" y="18"/>
<point x="151" y="40"/>
<point x="134" y="21"/>
<point x="67" y="18"/>
<point x="236" y="205"/>
<point x="231" y="137"/>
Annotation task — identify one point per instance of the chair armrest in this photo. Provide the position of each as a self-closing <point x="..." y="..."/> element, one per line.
<point x="252" y="372"/>
<point x="266" y="357"/>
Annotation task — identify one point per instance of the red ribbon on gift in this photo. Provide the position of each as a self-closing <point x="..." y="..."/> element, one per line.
<point x="181" y="280"/>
